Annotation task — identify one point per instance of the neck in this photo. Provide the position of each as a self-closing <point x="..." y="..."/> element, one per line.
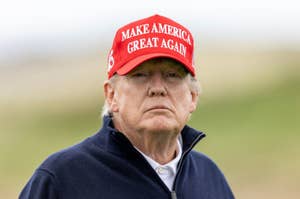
<point x="162" y="150"/>
<point x="160" y="146"/>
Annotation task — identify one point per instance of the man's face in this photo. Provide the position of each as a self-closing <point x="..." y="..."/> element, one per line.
<point x="154" y="97"/>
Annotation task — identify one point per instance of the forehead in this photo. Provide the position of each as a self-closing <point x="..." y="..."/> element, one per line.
<point x="161" y="63"/>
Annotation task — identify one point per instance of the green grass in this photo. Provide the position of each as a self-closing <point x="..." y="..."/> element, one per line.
<point x="253" y="138"/>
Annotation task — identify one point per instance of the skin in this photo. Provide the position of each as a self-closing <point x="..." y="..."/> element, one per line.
<point x="151" y="104"/>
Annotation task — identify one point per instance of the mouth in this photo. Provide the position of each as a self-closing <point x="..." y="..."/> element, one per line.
<point x="159" y="108"/>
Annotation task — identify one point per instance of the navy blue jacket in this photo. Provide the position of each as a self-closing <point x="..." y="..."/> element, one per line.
<point x="107" y="166"/>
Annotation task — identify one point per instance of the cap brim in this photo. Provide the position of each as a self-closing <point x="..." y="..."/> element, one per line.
<point x="132" y="64"/>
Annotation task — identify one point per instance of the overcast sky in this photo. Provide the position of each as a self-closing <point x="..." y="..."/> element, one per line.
<point x="61" y="24"/>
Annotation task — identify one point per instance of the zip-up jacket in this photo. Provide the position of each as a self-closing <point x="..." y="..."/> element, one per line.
<point x="107" y="166"/>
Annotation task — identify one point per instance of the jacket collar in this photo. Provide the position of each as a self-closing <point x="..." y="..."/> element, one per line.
<point x="110" y="139"/>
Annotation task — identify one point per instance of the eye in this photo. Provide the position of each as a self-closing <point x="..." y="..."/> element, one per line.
<point x="139" y="74"/>
<point x="173" y="75"/>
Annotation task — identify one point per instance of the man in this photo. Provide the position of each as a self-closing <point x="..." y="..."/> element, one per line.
<point x="144" y="149"/>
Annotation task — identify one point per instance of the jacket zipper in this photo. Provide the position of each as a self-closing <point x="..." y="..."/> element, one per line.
<point x="173" y="195"/>
<point x="198" y="138"/>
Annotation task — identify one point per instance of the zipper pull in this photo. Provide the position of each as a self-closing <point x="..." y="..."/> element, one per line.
<point x="173" y="195"/>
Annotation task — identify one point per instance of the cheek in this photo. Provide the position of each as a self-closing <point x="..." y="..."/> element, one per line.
<point x="184" y="100"/>
<point x="128" y="101"/>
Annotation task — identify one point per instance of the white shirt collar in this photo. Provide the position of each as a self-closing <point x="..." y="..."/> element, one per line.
<point x="166" y="172"/>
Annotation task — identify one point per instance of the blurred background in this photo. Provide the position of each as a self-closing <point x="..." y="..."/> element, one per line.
<point x="53" y="62"/>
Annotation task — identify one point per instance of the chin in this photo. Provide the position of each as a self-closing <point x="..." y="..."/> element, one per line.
<point x="161" y="124"/>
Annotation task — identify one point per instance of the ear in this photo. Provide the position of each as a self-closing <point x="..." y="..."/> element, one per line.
<point x="110" y="96"/>
<point x="194" y="101"/>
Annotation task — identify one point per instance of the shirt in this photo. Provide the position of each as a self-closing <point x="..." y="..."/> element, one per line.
<point x="166" y="172"/>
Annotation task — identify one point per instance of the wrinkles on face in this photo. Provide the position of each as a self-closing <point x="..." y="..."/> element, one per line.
<point x="152" y="103"/>
<point x="155" y="96"/>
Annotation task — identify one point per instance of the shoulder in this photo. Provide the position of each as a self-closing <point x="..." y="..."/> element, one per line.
<point x="41" y="185"/>
<point x="201" y="157"/>
<point x="68" y="157"/>
<point x="207" y="171"/>
<point x="205" y="163"/>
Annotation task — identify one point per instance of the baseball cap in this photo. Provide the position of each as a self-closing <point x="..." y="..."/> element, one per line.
<point x="151" y="37"/>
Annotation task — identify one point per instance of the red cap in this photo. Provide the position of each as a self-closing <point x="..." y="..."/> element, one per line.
<point x="155" y="36"/>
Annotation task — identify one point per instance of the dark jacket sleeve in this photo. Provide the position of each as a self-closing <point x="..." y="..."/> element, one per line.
<point x="40" y="185"/>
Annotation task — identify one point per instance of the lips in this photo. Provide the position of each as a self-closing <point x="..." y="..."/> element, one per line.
<point x="158" y="107"/>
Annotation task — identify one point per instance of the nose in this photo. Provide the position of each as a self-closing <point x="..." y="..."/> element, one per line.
<point x="157" y="86"/>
